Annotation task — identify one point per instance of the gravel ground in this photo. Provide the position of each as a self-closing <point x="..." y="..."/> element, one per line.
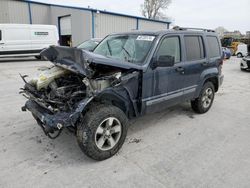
<point x="173" y="148"/>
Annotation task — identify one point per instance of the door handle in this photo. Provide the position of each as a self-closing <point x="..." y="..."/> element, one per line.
<point x="180" y="69"/>
<point x="1" y="43"/>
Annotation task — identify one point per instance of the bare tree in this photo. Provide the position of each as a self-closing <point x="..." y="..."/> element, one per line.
<point x="152" y="9"/>
<point x="220" y="30"/>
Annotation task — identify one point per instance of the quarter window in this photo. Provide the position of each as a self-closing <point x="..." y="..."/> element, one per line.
<point x="170" y="46"/>
<point x="0" y="35"/>
<point x="213" y="47"/>
<point x="194" y="48"/>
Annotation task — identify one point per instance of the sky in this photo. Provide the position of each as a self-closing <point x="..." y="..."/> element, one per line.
<point x="233" y="15"/>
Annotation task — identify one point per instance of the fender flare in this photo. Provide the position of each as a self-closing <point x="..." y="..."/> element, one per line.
<point x="207" y="74"/>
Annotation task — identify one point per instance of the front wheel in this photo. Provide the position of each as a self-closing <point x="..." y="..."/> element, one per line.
<point x="102" y="131"/>
<point x="205" y="100"/>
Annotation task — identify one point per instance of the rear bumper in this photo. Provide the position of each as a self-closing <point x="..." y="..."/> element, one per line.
<point x="51" y="122"/>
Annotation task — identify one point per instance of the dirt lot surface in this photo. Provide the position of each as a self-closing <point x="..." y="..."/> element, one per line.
<point x="173" y="148"/>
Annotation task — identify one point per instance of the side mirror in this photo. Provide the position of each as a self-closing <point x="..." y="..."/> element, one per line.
<point x="165" y="61"/>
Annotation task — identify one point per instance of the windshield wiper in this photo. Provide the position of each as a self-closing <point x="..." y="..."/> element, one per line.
<point x="109" y="48"/>
<point x="126" y="51"/>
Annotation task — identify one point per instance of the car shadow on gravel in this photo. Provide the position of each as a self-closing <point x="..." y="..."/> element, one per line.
<point x="183" y="110"/>
<point x="65" y="151"/>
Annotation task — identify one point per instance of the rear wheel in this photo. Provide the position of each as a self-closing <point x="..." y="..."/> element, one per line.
<point x="102" y="131"/>
<point x="239" y="55"/>
<point x="205" y="100"/>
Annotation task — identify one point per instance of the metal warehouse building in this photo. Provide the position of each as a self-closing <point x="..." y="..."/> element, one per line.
<point x="74" y="23"/>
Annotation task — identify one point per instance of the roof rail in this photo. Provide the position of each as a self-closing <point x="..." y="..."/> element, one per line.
<point x="191" y="28"/>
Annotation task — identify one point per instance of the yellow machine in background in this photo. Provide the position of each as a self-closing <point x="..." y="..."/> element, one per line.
<point x="231" y="43"/>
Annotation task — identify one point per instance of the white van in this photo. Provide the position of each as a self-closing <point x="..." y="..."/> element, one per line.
<point x="26" y="39"/>
<point x="241" y="50"/>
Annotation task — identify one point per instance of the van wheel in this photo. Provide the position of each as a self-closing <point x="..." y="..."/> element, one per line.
<point x="239" y="55"/>
<point x="38" y="57"/>
<point x="205" y="100"/>
<point x="102" y="131"/>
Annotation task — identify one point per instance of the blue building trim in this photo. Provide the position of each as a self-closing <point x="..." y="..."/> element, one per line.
<point x="30" y="13"/>
<point x="137" y="23"/>
<point x="95" y="10"/>
<point x="93" y="23"/>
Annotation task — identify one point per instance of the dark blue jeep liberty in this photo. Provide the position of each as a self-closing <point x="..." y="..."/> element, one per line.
<point x="127" y="75"/>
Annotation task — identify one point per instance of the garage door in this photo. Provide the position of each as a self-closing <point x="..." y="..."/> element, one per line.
<point x="65" y="25"/>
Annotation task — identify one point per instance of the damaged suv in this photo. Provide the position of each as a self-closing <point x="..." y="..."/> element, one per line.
<point x="126" y="76"/>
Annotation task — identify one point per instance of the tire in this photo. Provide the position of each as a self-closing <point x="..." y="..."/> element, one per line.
<point x="38" y="57"/>
<point x="239" y="55"/>
<point x="96" y="138"/>
<point x="205" y="100"/>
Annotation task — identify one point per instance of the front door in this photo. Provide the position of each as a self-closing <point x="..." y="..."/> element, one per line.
<point x="167" y="81"/>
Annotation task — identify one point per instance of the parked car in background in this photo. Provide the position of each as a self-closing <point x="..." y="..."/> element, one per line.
<point x="226" y="52"/>
<point x="127" y="75"/>
<point x="26" y="39"/>
<point x="241" y="50"/>
<point x="89" y="45"/>
<point x="245" y="62"/>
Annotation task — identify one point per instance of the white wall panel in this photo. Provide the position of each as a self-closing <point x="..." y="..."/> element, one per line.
<point x="106" y="24"/>
<point x="18" y="12"/>
<point x="13" y="12"/>
<point x="40" y="14"/>
<point x="151" y="26"/>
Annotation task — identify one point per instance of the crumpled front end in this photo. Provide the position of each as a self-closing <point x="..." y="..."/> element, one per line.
<point x="56" y="98"/>
<point x="59" y="94"/>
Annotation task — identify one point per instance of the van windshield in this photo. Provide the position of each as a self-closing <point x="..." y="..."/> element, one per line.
<point x="130" y="48"/>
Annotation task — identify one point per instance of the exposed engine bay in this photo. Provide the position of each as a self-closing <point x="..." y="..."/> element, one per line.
<point x="57" y="89"/>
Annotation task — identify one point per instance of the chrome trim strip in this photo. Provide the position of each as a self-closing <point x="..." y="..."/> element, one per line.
<point x="168" y="96"/>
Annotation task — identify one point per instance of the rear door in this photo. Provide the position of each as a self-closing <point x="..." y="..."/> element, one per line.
<point x="194" y="64"/>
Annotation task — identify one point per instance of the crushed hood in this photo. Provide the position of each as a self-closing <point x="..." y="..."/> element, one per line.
<point x="79" y="61"/>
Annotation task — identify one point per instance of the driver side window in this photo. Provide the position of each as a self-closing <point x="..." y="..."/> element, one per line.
<point x="170" y="46"/>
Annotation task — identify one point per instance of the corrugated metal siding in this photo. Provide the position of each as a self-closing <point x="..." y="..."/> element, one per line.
<point x="81" y="26"/>
<point x="106" y="24"/>
<point x="4" y="14"/>
<point x="151" y="26"/>
<point x="13" y="12"/>
<point x="18" y="12"/>
<point x="40" y="14"/>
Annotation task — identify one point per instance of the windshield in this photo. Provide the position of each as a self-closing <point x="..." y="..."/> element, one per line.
<point x="131" y="48"/>
<point x="88" y="45"/>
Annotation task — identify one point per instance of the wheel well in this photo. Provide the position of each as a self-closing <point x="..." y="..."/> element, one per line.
<point x="124" y="105"/>
<point x="214" y="81"/>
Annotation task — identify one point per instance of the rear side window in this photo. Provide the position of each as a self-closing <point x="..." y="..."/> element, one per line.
<point x="213" y="46"/>
<point x="0" y="34"/>
<point x="170" y="46"/>
<point x="194" y="48"/>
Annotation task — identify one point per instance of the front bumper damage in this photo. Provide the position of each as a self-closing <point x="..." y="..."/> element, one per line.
<point x="55" y="122"/>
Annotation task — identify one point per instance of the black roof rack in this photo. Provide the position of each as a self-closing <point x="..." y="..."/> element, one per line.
<point x="177" y="28"/>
